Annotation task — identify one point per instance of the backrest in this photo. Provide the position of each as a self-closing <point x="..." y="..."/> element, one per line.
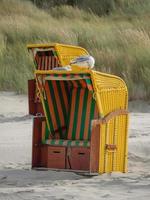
<point x="57" y="106"/>
<point x="46" y="59"/>
<point x="83" y="109"/>
<point x="69" y="105"/>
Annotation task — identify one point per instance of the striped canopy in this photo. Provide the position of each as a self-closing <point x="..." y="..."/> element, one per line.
<point x="69" y="105"/>
<point x="49" y="56"/>
<point x="45" y="59"/>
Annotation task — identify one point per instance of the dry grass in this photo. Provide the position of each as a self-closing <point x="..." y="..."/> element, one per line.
<point x="119" y="42"/>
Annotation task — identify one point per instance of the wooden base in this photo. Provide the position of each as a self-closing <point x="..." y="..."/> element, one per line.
<point x="60" y="157"/>
<point x="74" y="158"/>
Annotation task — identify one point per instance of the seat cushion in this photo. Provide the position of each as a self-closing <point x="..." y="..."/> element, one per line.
<point x="72" y="143"/>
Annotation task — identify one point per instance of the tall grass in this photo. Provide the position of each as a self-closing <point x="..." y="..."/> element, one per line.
<point x="119" y="42"/>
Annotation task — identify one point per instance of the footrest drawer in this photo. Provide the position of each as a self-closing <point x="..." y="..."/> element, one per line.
<point x="78" y="158"/>
<point x="56" y="157"/>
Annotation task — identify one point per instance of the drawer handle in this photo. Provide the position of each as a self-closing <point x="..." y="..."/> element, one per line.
<point x="56" y="151"/>
<point x="81" y="153"/>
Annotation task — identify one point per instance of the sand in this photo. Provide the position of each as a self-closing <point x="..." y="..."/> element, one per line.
<point x="18" y="181"/>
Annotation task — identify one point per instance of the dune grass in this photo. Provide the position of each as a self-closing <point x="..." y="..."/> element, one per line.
<point x="119" y="42"/>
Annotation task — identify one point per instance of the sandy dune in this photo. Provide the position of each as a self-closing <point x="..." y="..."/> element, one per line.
<point x="17" y="181"/>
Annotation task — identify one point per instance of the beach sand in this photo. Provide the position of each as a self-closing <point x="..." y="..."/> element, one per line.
<point x="18" y="181"/>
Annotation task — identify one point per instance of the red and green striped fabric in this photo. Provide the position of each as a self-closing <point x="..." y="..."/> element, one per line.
<point x="57" y="106"/>
<point x="46" y="60"/>
<point x="69" y="106"/>
<point x="82" y="110"/>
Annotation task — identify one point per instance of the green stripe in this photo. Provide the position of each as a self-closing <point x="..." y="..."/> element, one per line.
<point x="46" y="132"/>
<point x="83" y="114"/>
<point x="61" y="142"/>
<point x="77" y="143"/>
<point x="49" y="118"/>
<point x="93" y="103"/>
<point x="48" y="115"/>
<point x="55" y="53"/>
<point x="55" y="106"/>
<point x="76" y="114"/>
<point x="36" y="65"/>
<point x="79" y="84"/>
<point x="64" y="75"/>
<point x="69" y="143"/>
<point x="52" y="142"/>
<point x="67" y="90"/>
<point x="85" y="143"/>
<point x="88" y="81"/>
<point x="60" y="92"/>
<point x="46" y="136"/>
<point x="69" y="111"/>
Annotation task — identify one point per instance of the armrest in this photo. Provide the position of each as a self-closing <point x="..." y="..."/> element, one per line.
<point x="109" y="116"/>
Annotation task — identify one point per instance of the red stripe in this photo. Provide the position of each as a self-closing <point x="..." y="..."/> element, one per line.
<point x="83" y="83"/>
<point x="47" y="63"/>
<point x="59" y="107"/>
<point x="62" y="85"/>
<point x="43" y="62"/>
<point x="90" y="87"/>
<point x="74" y="92"/>
<point x="77" y="135"/>
<point x="75" y="84"/>
<point x="40" y="63"/>
<point x="50" y="61"/>
<point x="87" y="119"/>
<point x="51" y="107"/>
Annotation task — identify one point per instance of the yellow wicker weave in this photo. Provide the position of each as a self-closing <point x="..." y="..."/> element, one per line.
<point x="65" y="53"/>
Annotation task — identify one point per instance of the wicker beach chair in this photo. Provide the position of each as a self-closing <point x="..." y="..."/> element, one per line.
<point x="84" y="123"/>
